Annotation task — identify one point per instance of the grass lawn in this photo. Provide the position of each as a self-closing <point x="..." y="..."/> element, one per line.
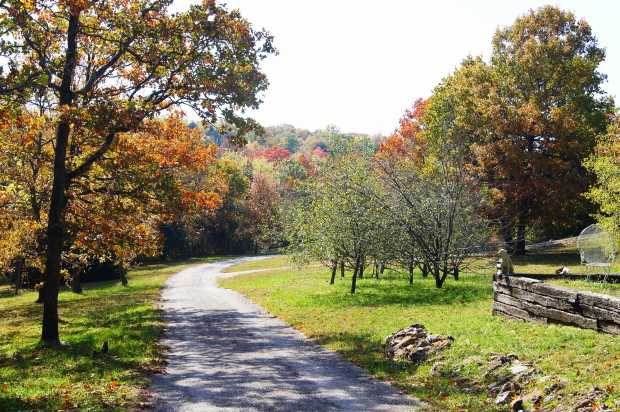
<point x="72" y="377"/>
<point x="355" y="326"/>
<point x="272" y="262"/>
<point x="612" y="289"/>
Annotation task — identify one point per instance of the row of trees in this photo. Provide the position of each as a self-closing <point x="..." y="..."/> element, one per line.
<point x="390" y="210"/>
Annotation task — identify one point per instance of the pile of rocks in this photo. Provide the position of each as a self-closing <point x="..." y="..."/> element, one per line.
<point x="414" y="344"/>
<point x="508" y="375"/>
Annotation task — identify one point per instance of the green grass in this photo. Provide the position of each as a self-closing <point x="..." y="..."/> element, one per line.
<point x="548" y="260"/>
<point x="72" y="377"/>
<point x="355" y="326"/>
<point x="269" y="263"/>
<point x="612" y="289"/>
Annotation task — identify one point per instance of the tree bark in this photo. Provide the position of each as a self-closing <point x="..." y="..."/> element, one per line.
<point x="342" y="269"/>
<point x="424" y="270"/>
<point x="361" y="264"/>
<point x="41" y="297"/>
<point x="55" y="238"/>
<point x="76" y="282"/>
<point x="456" y="272"/>
<point x="55" y="222"/>
<point x="411" y="273"/>
<point x="507" y="233"/>
<point x="334" y="268"/>
<point x="354" y="278"/>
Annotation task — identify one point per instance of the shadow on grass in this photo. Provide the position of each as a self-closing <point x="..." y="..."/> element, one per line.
<point x="132" y="332"/>
<point x="395" y="291"/>
<point x="77" y="376"/>
<point x="242" y="360"/>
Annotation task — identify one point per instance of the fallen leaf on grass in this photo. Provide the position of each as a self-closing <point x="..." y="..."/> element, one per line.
<point x="5" y="387"/>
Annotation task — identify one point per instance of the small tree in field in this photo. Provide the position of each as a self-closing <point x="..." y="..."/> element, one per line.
<point x="104" y="67"/>
<point x="337" y="220"/>
<point x="436" y="208"/>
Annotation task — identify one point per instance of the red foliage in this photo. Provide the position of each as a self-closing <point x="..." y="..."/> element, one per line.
<point x="319" y="153"/>
<point x="274" y="154"/>
<point x="408" y="139"/>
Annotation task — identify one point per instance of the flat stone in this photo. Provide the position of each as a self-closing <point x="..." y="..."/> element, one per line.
<point x="502" y="398"/>
<point x="518" y="368"/>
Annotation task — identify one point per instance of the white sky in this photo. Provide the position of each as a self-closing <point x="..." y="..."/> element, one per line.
<point x="358" y="64"/>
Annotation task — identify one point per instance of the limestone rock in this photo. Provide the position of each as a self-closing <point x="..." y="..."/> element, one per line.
<point x="414" y="344"/>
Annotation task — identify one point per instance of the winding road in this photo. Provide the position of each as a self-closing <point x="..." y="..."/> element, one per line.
<point x="226" y="353"/>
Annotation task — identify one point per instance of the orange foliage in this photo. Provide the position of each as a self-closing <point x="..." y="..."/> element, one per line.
<point x="408" y="140"/>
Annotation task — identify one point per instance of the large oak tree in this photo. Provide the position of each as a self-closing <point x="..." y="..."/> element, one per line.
<point x="528" y="118"/>
<point x="105" y="67"/>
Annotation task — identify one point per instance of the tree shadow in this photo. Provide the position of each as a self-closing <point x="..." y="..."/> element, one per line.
<point x="242" y="360"/>
<point x="396" y="291"/>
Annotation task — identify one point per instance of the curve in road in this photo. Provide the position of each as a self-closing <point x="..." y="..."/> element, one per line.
<point x="226" y="353"/>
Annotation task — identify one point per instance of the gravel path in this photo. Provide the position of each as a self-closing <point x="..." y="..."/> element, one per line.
<point x="226" y="353"/>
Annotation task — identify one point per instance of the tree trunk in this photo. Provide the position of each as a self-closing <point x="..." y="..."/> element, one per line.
<point x="124" y="280"/>
<point x="439" y="275"/>
<point x="76" y="282"/>
<point x="424" y="270"/>
<point x="455" y="273"/>
<point x="55" y="221"/>
<point x="342" y="269"/>
<point x="19" y="270"/>
<point x="507" y="233"/>
<point x="41" y="297"/>
<point x="18" y="283"/>
<point x="519" y="249"/>
<point x="55" y="235"/>
<point x="355" y="272"/>
<point x="334" y="268"/>
<point x="381" y="268"/>
<point x="361" y="264"/>
<point x="411" y="273"/>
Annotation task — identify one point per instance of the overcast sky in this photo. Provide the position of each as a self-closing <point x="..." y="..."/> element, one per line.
<point x="358" y="64"/>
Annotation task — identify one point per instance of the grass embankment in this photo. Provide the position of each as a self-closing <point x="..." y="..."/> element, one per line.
<point x="73" y="377"/>
<point x="355" y="326"/>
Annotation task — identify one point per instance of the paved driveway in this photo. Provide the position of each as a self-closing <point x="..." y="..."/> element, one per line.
<point x="226" y="353"/>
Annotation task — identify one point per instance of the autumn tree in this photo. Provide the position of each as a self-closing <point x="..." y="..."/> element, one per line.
<point x="107" y="66"/>
<point x="261" y="221"/>
<point x="527" y="119"/>
<point x="113" y="214"/>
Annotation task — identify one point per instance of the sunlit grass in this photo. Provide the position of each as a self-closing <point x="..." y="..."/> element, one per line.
<point x="355" y="325"/>
<point x="269" y="263"/>
<point x="75" y="377"/>
<point x="612" y="289"/>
